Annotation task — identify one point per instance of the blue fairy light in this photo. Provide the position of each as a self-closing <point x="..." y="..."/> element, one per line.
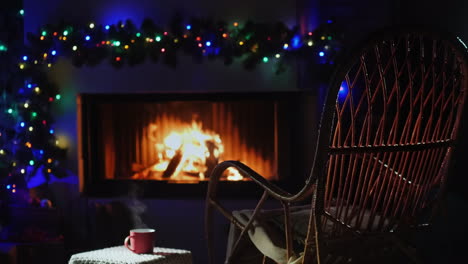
<point x="343" y="91"/>
<point x="54" y="52"/>
<point x="208" y="43"/>
<point x="321" y="54"/>
<point x="51" y="131"/>
<point x="22" y="124"/>
<point x="296" y="42"/>
<point x="188" y="27"/>
<point x="87" y="38"/>
<point x="107" y="27"/>
<point x="25" y="58"/>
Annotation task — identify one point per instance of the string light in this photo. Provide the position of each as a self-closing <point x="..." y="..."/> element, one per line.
<point x="91" y="25"/>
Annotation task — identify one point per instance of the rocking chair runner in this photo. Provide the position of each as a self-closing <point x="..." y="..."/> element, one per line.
<point x="387" y="134"/>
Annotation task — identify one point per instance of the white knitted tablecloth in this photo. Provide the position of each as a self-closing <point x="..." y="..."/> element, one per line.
<point x="120" y="255"/>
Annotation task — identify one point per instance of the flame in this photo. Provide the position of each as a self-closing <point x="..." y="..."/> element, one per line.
<point x="189" y="148"/>
<point x="234" y="174"/>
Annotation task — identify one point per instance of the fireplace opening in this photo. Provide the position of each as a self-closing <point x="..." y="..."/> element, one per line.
<point x="168" y="144"/>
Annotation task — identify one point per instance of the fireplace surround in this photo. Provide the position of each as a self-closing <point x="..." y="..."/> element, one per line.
<point x="166" y="144"/>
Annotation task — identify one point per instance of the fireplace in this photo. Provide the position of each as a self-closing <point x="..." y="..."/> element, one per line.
<point x="166" y="144"/>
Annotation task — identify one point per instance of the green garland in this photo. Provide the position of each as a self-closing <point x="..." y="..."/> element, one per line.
<point x="202" y="39"/>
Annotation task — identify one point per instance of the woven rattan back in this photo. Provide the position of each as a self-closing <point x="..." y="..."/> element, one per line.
<point x="392" y="133"/>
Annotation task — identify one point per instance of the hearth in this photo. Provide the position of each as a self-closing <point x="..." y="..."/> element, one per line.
<point x="166" y="144"/>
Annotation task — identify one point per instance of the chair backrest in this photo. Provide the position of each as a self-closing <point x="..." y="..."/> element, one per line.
<point x="389" y="127"/>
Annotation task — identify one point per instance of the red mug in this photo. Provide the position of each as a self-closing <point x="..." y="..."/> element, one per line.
<point x="141" y="240"/>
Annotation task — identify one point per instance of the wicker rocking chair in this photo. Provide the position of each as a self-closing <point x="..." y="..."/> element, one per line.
<point x="387" y="134"/>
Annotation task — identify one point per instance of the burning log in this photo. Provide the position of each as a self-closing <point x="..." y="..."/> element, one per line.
<point x="173" y="164"/>
<point x="212" y="159"/>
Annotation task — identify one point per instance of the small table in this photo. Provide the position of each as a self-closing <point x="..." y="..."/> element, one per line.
<point x="120" y="254"/>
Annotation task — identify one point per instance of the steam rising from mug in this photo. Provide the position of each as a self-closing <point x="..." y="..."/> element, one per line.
<point x="136" y="207"/>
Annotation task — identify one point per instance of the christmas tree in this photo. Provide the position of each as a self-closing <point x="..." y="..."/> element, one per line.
<point x="28" y="145"/>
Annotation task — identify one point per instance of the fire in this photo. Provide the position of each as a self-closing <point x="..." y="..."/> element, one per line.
<point x="234" y="174"/>
<point x="189" y="152"/>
